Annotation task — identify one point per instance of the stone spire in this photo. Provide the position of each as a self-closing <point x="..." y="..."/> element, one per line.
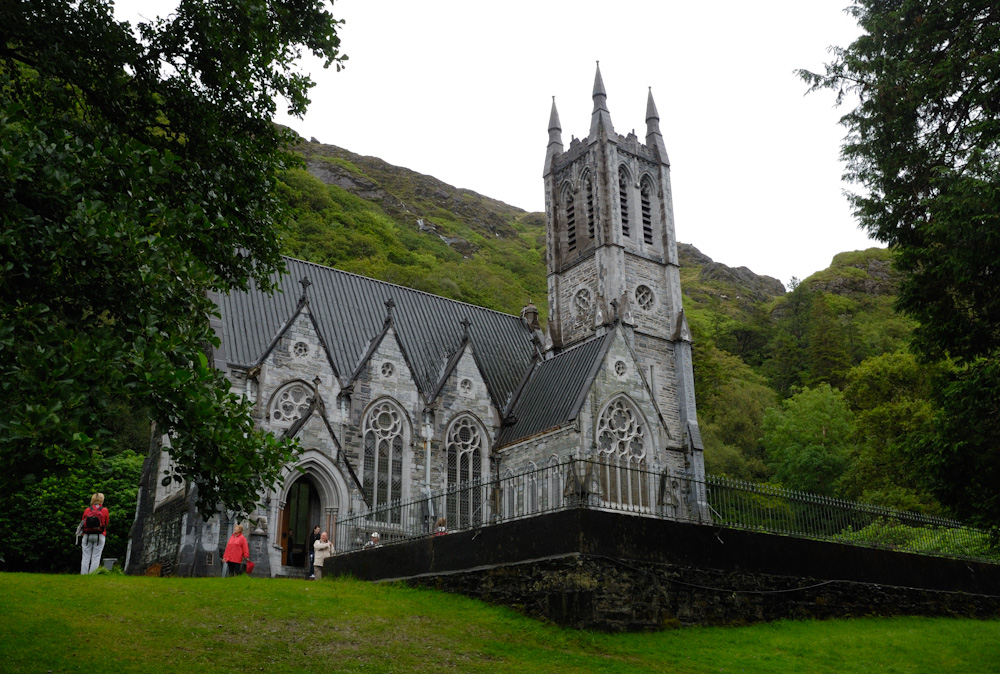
<point x="555" y="147"/>
<point x="601" y="116"/>
<point x="654" y="140"/>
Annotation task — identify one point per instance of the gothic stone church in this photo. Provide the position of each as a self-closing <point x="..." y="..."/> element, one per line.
<point x="394" y="393"/>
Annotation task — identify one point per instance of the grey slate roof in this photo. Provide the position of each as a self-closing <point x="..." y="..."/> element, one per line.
<point x="554" y="391"/>
<point x="350" y="311"/>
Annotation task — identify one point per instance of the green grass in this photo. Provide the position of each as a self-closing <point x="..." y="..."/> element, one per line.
<point x="55" y="623"/>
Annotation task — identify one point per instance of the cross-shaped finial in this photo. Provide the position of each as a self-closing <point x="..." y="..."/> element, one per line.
<point x="465" y="325"/>
<point x="305" y="283"/>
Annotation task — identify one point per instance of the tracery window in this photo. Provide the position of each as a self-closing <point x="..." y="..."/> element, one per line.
<point x="465" y="448"/>
<point x="621" y="450"/>
<point x="383" y="461"/>
<point x="623" y="200"/>
<point x="290" y="402"/>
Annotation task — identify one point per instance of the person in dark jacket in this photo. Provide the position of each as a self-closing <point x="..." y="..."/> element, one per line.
<point x="312" y="552"/>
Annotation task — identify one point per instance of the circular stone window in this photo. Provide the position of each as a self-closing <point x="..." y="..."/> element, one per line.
<point x="582" y="302"/>
<point x="388" y="369"/>
<point x="465" y="386"/>
<point x="644" y="298"/>
<point x="300" y="349"/>
<point x="621" y="368"/>
<point x="290" y="403"/>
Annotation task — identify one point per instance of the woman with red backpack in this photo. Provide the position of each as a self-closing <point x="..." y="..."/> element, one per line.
<point x="94" y="527"/>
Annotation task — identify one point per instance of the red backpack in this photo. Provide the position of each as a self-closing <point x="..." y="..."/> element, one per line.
<point x="92" y="522"/>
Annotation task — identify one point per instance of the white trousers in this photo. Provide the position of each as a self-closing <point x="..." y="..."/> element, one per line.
<point x="93" y="546"/>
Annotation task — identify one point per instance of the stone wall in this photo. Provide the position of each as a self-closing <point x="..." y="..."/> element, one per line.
<point x="600" y="570"/>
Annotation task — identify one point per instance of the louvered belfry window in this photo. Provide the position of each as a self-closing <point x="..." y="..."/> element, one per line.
<point x="383" y="467"/>
<point x="588" y="187"/>
<point x="647" y="214"/>
<point x="570" y="221"/>
<point x="621" y="449"/>
<point x="623" y="200"/>
<point x="465" y="448"/>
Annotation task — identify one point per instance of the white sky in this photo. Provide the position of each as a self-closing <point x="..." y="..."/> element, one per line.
<point x="461" y="90"/>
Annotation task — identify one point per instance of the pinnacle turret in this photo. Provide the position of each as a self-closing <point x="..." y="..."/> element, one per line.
<point x="555" y="147"/>
<point x="601" y="116"/>
<point x="654" y="140"/>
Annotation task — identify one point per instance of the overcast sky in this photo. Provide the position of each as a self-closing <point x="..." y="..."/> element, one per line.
<point x="461" y="90"/>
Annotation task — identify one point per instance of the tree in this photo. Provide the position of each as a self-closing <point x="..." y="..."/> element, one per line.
<point x="137" y="177"/>
<point x="890" y="396"/>
<point x="808" y="440"/>
<point x="923" y="144"/>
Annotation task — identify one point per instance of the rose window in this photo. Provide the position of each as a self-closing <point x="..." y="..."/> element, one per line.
<point x="621" y="368"/>
<point x="300" y="349"/>
<point x="619" y="433"/>
<point x="290" y="403"/>
<point x="465" y="386"/>
<point x="644" y="297"/>
<point x="388" y="369"/>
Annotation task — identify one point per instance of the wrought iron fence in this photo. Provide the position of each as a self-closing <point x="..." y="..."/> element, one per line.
<point x="631" y="488"/>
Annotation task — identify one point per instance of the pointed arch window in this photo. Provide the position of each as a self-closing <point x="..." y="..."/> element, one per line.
<point x="383" y="460"/>
<point x="466" y="451"/>
<point x="621" y="451"/>
<point x="623" y="187"/>
<point x="588" y="193"/>
<point x="645" y="198"/>
<point x="570" y="211"/>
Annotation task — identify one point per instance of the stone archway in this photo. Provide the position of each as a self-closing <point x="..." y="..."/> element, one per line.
<point x="314" y="492"/>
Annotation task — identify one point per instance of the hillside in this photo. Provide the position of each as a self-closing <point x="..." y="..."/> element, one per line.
<point x="759" y="347"/>
<point x="363" y="215"/>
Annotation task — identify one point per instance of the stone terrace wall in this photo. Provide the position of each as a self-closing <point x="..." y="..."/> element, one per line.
<point x="608" y="571"/>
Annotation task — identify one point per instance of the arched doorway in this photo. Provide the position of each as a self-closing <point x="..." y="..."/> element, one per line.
<point x="302" y="512"/>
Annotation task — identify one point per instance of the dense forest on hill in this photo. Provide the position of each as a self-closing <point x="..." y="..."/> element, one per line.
<point x="811" y="387"/>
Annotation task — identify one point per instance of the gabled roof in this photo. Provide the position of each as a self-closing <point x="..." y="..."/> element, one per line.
<point x="350" y="311"/>
<point x="554" y="390"/>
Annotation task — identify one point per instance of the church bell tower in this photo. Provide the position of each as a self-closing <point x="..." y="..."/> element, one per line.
<point x="612" y="253"/>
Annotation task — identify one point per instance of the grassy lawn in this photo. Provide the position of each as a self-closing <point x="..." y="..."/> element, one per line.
<point x="53" y="623"/>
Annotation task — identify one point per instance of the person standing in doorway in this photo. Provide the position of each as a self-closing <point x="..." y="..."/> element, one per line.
<point x="312" y="552"/>
<point x="237" y="551"/>
<point x="323" y="549"/>
<point x="94" y="528"/>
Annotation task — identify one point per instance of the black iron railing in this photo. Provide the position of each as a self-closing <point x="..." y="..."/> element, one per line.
<point x="629" y="487"/>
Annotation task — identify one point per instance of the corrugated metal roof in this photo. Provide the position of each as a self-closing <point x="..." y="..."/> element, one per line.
<point x="554" y="391"/>
<point x="351" y="311"/>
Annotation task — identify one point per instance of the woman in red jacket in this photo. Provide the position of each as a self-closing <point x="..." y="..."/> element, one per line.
<point x="237" y="551"/>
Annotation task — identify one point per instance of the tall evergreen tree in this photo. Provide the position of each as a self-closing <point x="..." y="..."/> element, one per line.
<point x="923" y="144"/>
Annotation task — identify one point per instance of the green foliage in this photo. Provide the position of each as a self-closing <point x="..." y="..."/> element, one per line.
<point x="331" y="226"/>
<point x="923" y="144"/>
<point x="958" y="452"/>
<point x="41" y="535"/>
<point x="890" y="397"/>
<point x="137" y="177"/>
<point x="808" y="440"/>
<point x="732" y="401"/>
<point x="947" y="541"/>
